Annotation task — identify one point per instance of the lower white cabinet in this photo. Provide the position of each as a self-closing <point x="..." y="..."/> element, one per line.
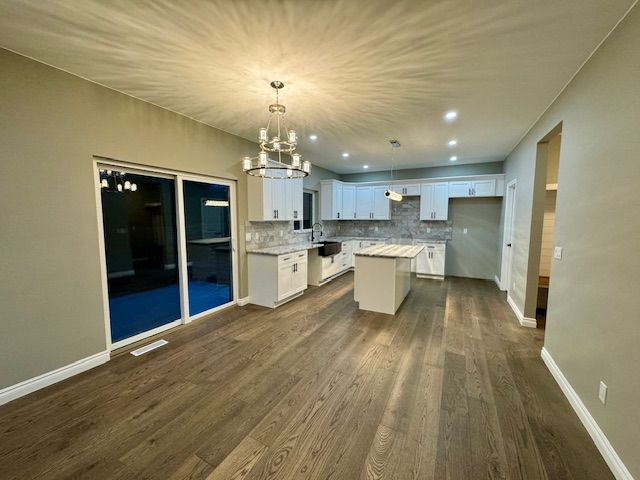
<point x="430" y="262"/>
<point x="276" y="279"/>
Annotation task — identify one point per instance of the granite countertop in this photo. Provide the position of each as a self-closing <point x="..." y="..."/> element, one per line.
<point x="348" y="238"/>
<point x="392" y="251"/>
<point x="284" y="249"/>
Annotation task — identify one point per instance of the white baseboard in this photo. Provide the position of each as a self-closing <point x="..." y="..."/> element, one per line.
<point x="497" y="280"/>
<point x="36" y="383"/>
<point x="524" y="321"/>
<point x="610" y="456"/>
<point x="243" y="301"/>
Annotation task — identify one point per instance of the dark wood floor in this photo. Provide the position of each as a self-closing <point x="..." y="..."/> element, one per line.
<point x="450" y="388"/>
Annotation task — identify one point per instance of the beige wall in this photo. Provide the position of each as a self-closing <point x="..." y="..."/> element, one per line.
<point x="51" y="125"/>
<point x="592" y="327"/>
<point x="474" y="254"/>
<point x="427" y="172"/>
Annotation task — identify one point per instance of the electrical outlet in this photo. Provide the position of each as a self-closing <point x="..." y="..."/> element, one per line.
<point x="428" y="230"/>
<point x="557" y="253"/>
<point x="247" y="237"/>
<point x="602" y="392"/>
<point x="375" y="229"/>
<point x="464" y="230"/>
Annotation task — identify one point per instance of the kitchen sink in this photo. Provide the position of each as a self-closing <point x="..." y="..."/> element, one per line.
<point x="329" y="248"/>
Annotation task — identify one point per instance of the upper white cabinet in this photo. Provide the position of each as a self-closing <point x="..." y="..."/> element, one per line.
<point x="371" y="203"/>
<point x="348" y="202"/>
<point x="407" y="189"/>
<point x="331" y="200"/>
<point x="473" y="188"/>
<point x="274" y="199"/>
<point x="364" y="203"/>
<point x="434" y="201"/>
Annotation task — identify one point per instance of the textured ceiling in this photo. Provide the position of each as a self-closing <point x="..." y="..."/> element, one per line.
<point x="357" y="72"/>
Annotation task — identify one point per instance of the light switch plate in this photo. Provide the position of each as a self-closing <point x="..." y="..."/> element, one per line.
<point x="464" y="230"/>
<point x="247" y="237"/>
<point x="557" y="253"/>
<point x="602" y="392"/>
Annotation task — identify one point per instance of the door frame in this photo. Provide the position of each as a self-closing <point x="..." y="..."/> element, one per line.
<point x="178" y="176"/>
<point x="509" y="220"/>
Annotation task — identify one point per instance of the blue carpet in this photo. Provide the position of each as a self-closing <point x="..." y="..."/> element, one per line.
<point x="139" y="312"/>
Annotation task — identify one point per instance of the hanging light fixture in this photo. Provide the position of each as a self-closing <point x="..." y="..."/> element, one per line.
<point x="113" y="181"/>
<point x="283" y="141"/>
<point x="390" y="194"/>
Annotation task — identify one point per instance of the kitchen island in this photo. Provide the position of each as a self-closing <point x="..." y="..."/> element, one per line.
<point x="383" y="276"/>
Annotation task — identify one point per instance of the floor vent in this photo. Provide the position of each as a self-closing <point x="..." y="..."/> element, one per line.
<point x="147" y="348"/>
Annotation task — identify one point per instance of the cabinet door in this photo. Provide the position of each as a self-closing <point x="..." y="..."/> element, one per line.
<point x="268" y="210"/>
<point x="278" y="198"/>
<point x="285" y="280"/>
<point x="459" y="189"/>
<point x="299" y="277"/>
<point x="437" y="262"/>
<point x="381" y="204"/>
<point x="364" y="203"/>
<point x="337" y="201"/>
<point x="348" y="202"/>
<point x="295" y="199"/>
<point x="440" y="201"/>
<point x="426" y="201"/>
<point x="409" y="189"/>
<point x="483" y="188"/>
<point x="422" y="261"/>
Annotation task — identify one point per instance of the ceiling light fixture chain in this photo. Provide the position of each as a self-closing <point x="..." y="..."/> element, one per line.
<point x="390" y="194"/>
<point x="262" y="165"/>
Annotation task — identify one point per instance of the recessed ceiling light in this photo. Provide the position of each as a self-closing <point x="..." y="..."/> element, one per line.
<point x="365" y="166"/>
<point x="345" y="155"/>
<point x="450" y="115"/>
<point x="453" y="142"/>
<point x="453" y="158"/>
<point x="313" y="137"/>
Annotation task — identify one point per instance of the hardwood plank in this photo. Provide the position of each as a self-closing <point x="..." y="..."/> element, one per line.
<point x="240" y="461"/>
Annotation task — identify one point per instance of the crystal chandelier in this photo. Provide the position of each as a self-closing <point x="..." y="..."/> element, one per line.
<point x="263" y="165"/>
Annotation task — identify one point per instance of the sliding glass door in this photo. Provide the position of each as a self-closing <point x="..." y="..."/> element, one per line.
<point x="209" y="249"/>
<point x="168" y="249"/>
<point x="139" y="219"/>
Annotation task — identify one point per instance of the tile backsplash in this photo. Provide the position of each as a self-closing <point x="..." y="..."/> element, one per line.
<point x="405" y="224"/>
<point x="274" y="234"/>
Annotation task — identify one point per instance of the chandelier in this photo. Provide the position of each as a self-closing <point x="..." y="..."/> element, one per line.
<point x="263" y="165"/>
<point x="113" y="181"/>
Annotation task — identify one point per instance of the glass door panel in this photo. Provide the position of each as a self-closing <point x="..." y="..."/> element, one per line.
<point x="207" y="213"/>
<point x="139" y="218"/>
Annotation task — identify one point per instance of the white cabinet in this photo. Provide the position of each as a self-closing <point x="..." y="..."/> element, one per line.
<point x="274" y="280"/>
<point x="371" y="203"/>
<point x="434" y="201"/>
<point x="408" y="189"/>
<point x="274" y="199"/>
<point x="348" y="202"/>
<point x="293" y="198"/>
<point x="430" y="262"/>
<point x="381" y="204"/>
<point x="330" y="200"/>
<point x="483" y="188"/>
<point x="473" y="188"/>
<point x="364" y="203"/>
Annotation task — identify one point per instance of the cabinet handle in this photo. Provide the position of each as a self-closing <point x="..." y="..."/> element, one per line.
<point x="338" y="214"/>
<point x="354" y="214"/>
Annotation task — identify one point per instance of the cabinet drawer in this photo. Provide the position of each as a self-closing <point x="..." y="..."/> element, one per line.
<point x="292" y="257"/>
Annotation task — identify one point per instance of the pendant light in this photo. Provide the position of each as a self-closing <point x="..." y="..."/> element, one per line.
<point x="390" y="194"/>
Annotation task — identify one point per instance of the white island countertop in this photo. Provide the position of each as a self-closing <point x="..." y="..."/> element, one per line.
<point x="392" y="251"/>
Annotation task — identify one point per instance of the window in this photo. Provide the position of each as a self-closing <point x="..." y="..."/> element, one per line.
<point x="307" y="213"/>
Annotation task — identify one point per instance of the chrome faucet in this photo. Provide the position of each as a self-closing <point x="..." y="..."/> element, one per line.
<point x="314" y="230"/>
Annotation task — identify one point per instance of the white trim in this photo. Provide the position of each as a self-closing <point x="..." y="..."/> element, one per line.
<point x="524" y="321"/>
<point x="36" y="383"/>
<point x="211" y="311"/>
<point x="601" y="441"/>
<point x="243" y="301"/>
<point x="508" y="223"/>
<point x="497" y="282"/>
<point x="143" y="335"/>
